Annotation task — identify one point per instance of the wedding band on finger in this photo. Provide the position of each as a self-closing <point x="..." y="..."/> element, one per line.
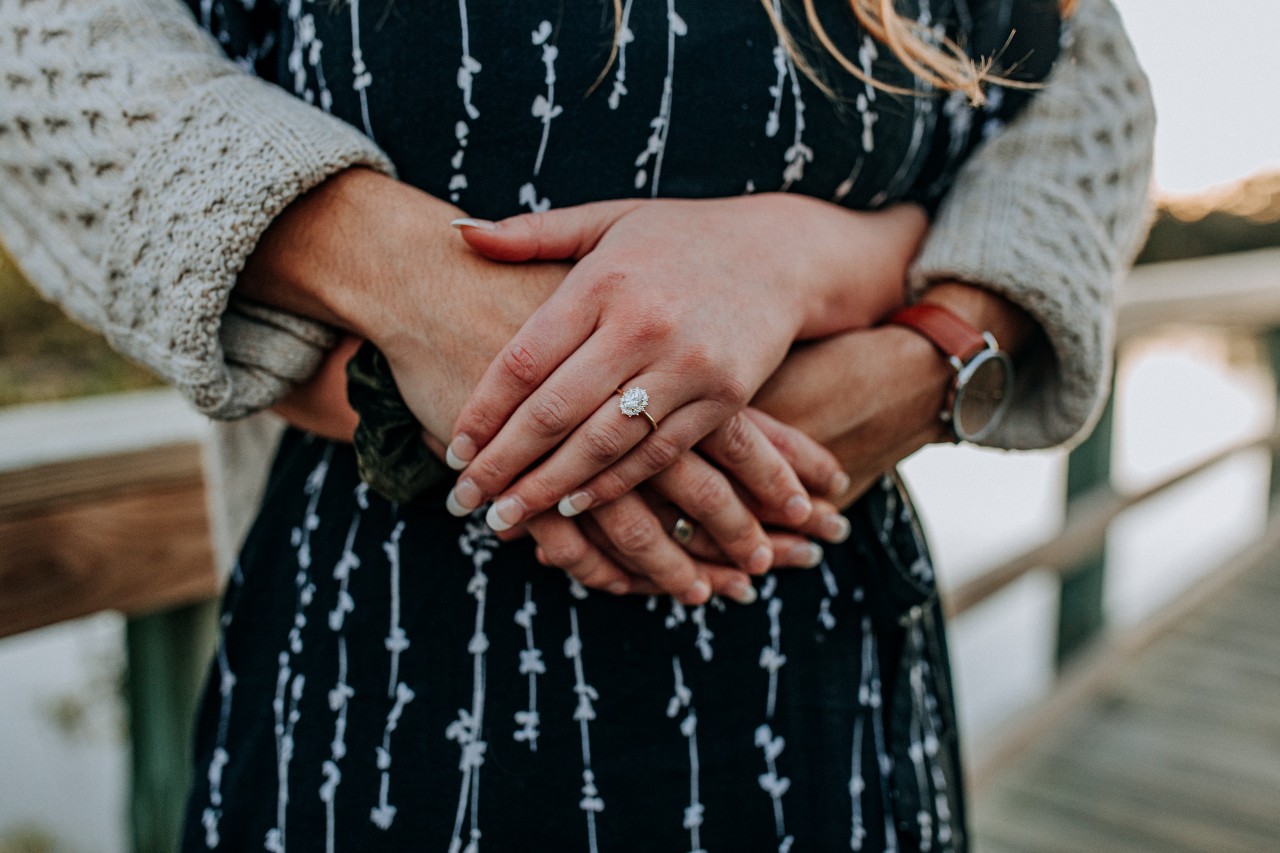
<point x="634" y="402"/>
<point x="682" y="530"/>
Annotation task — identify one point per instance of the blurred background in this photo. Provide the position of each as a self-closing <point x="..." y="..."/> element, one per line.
<point x="1114" y="634"/>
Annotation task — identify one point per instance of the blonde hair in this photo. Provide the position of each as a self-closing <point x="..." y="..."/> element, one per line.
<point x="942" y="65"/>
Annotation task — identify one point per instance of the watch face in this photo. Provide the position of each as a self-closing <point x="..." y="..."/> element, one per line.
<point x="984" y="390"/>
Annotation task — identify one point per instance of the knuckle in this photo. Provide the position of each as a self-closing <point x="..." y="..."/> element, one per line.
<point x="596" y="576"/>
<point x="608" y="485"/>
<point x="659" y="451"/>
<point x="604" y="443"/>
<point x="567" y="552"/>
<point x="709" y="495"/>
<point x="549" y="414"/>
<point x="723" y="387"/>
<point x="488" y="473"/>
<point x="521" y="365"/>
<point x="737" y="440"/>
<point x="633" y="534"/>
<point x="655" y="325"/>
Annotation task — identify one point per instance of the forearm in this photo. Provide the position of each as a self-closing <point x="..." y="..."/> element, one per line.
<point x="140" y="169"/>
<point x="1048" y="215"/>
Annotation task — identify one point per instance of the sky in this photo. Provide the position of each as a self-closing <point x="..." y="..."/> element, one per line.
<point x="1215" y="71"/>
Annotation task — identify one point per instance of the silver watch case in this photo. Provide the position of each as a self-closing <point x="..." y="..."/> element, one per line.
<point x="981" y="394"/>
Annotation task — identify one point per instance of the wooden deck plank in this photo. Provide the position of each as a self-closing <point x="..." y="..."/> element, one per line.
<point x="1180" y="751"/>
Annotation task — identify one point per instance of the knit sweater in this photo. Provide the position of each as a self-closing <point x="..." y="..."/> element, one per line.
<point x="140" y="167"/>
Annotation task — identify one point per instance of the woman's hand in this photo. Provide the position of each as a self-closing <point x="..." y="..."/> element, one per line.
<point x="695" y="301"/>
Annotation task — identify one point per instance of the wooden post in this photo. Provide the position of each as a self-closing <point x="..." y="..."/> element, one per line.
<point x="1080" y="608"/>
<point x="168" y="657"/>
<point x="1272" y="340"/>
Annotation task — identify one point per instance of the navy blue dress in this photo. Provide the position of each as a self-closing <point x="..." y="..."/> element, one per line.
<point x="393" y="678"/>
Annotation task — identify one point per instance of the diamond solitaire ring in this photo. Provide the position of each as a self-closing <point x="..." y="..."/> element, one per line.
<point x="634" y="402"/>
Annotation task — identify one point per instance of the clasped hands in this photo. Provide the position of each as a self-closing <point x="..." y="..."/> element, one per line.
<point x="750" y="322"/>
<point x="699" y="303"/>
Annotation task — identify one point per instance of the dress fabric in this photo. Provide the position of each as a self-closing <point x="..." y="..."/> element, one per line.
<point x="393" y="678"/>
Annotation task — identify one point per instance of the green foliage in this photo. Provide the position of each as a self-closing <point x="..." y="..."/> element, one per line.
<point x="45" y="356"/>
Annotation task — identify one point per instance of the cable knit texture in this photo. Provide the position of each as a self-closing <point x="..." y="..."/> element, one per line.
<point x="140" y="168"/>
<point x="1049" y="214"/>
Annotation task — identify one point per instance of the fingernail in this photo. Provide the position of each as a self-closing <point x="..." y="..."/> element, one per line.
<point x="574" y="504"/>
<point x="741" y="591"/>
<point x="460" y="453"/>
<point x="805" y="556"/>
<point x="540" y="555"/>
<point x="836" y="528"/>
<point x="464" y="497"/>
<point x="468" y="222"/>
<point x="455" y="508"/>
<point x="618" y="588"/>
<point x="504" y="513"/>
<point x="698" y="593"/>
<point x="797" y="509"/>
<point x="760" y="560"/>
<point x="840" y="483"/>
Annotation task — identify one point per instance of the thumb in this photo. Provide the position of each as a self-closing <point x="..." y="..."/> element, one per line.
<point x="569" y="232"/>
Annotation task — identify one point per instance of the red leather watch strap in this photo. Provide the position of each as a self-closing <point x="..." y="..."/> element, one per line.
<point x="950" y="334"/>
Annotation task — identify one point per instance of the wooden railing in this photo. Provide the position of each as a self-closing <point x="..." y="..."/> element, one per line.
<point x="127" y="531"/>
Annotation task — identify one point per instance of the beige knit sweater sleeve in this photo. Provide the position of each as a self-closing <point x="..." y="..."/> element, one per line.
<point x="1049" y="213"/>
<point x="138" y="168"/>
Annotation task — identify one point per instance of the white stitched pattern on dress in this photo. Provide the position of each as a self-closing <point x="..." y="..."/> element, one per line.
<point x="211" y="815"/>
<point x="682" y="699"/>
<point x="857" y="784"/>
<point x="397" y="642"/>
<point x="825" y="618"/>
<point x="532" y="665"/>
<point x="545" y="109"/>
<point x="584" y="712"/>
<point x="925" y="707"/>
<point x="656" y="145"/>
<point x="772" y="659"/>
<point x="872" y="701"/>
<point x="289" y="685"/>
<point x="625" y="37"/>
<point x="468" y="68"/>
<point x="306" y="52"/>
<point x="361" y="78"/>
<point x="798" y="153"/>
<point x="341" y="692"/>
<point x="477" y="542"/>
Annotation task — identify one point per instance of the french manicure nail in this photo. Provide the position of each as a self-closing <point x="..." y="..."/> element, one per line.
<point x="466" y="496"/>
<point x="460" y="453"/>
<point x="760" y="560"/>
<point x="805" y="556"/>
<point x="836" y="528"/>
<point x="840" y="483"/>
<point x="574" y="504"/>
<point x="455" y="508"/>
<point x="797" y="509"/>
<point x="698" y="593"/>
<point x="742" y="592"/>
<point x="504" y="513"/>
<point x="468" y="222"/>
<point x="618" y="588"/>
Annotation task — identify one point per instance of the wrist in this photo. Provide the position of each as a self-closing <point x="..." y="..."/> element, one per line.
<point x="332" y="253"/>
<point x="986" y="311"/>
<point x="856" y="265"/>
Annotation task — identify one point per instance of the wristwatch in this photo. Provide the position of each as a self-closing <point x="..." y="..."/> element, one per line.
<point x="982" y="389"/>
